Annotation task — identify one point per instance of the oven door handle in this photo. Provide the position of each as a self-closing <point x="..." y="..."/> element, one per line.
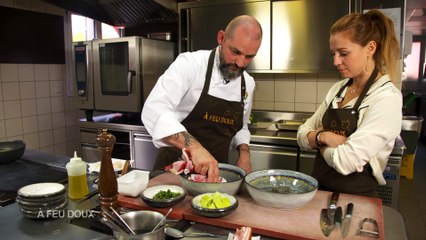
<point x="130" y="76"/>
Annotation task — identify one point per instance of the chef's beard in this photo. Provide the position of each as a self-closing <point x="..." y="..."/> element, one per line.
<point x="224" y="68"/>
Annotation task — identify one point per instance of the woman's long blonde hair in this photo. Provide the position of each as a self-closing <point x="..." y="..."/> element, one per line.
<point x="374" y="26"/>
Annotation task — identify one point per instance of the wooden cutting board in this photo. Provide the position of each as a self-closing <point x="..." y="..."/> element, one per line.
<point x="302" y="223"/>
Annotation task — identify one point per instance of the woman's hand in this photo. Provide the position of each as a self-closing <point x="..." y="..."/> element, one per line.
<point x="331" y="139"/>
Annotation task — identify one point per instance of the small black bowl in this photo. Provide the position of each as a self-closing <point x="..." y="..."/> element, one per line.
<point x="11" y="151"/>
<point x="213" y="212"/>
<point x="148" y="196"/>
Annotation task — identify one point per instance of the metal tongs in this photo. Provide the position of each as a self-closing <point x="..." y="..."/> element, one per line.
<point x="116" y="222"/>
<point x="368" y="227"/>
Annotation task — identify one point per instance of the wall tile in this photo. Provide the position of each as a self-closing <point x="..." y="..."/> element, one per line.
<point x="56" y="88"/>
<point x="73" y="133"/>
<point x="46" y="138"/>
<point x="58" y="120"/>
<point x="44" y="122"/>
<point x="44" y="105"/>
<point x="61" y="149"/>
<point x="27" y="90"/>
<point x="1" y="90"/>
<point x="42" y="89"/>
<point x="284" y="91"/>
<point x="13" y="127"/>
<point x="284" y="106"/>
<point x="48" y="149"/>
<point x="71" y="118"/>
<point x="2" y="130"/>
<point x="31" y="140"/>
<point x="73" y="146"/>
<point x="329" y="77"/>
<point x="323" y="88"/>
<point x="9" y="72"/>
<point x="29" y="125"/>
<point x="306" y="92"/>
<point x="57" y="104"/>
<point x="10" y="91"/>
<point x="56" y="72"/>
<point x="41" y="72"/>
<point x="70" y="103"/>
<point x="305" y="107"/>
<point x="12" y="109"/>
<point x="28" y="107"/>
<point x="1" y="111"/>
<point x="26" y="72"/>
<point x="261" y="105"/>
<point x="264" y="91"/>
<point x="59" y="136"/>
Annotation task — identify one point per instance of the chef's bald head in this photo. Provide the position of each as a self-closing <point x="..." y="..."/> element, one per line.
<point x="248" y="23"/>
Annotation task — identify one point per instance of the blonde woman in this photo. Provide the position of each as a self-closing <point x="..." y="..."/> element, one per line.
<point x="355" y="127"/>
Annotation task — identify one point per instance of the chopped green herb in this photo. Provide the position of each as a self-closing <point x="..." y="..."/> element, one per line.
<point x="164" y="195"/>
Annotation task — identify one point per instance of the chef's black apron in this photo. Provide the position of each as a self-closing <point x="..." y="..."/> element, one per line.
<point x="344" y="122"/>
<point x="213" y="122"/>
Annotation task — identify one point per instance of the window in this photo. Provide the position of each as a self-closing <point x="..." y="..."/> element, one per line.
<point x="84" y="29"/>
<point x="412" y="63"/>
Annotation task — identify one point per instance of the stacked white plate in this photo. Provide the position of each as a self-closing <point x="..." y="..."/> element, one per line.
<point x="42" y="200"/>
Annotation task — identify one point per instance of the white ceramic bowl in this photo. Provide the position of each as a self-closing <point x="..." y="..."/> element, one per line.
<point x="233" y="175"/>
<point x="133" y="183"/>
<point x="279" y="188"/>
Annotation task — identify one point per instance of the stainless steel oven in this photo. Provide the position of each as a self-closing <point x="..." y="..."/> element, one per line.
<point x="116" y="75"/>
<point x="83" y="73"/>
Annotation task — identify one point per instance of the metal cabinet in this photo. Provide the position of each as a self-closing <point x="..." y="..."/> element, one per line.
<point x="300" y="33"/>
<point x="306" y="161"/>
<point x="89" y="147"/>
<point x="144" y="152"/>
<point x="272" y="157"/>
<point x="200" y="22"/>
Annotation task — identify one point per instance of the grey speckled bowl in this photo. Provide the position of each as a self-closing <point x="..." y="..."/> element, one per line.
<point x="279" y="188"/>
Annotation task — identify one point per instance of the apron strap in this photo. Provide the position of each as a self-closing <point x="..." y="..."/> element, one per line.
<point x="209" y="72"/>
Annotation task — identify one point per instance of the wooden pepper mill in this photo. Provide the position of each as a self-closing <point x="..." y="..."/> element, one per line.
<point x="107" y="185"/>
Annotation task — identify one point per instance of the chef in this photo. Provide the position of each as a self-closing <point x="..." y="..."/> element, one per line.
<point x="203" y="102"/>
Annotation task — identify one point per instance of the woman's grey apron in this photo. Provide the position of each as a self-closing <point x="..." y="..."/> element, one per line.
<point x="344" y="122"/>
<point x="213" y="122"/>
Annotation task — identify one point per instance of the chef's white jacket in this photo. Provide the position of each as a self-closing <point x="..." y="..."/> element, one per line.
<point x="379" y="124"/>
<point x="178" y="90"/>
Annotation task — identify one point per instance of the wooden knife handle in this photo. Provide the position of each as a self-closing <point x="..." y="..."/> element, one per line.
<point x="334" y="198"/>
<point x="125" y="168"/>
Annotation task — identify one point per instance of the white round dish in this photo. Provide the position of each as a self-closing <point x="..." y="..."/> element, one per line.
<point x="39" y="190"/>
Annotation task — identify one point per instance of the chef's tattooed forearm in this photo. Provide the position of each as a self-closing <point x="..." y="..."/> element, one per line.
<point x="188" y="138"/>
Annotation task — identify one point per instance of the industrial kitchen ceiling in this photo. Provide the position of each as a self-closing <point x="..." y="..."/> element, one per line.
<point x="122" y="12"/>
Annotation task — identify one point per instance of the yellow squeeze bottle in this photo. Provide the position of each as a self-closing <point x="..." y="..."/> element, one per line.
<point x="77" y="180"/>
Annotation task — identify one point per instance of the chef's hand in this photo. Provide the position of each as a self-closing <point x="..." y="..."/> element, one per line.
<point x="205" y="163"/>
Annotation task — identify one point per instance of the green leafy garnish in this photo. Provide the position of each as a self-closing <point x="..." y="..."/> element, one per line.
<point x="164" y="195"/>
